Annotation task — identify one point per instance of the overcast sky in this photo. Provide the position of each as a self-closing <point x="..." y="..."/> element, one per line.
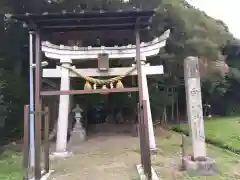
<point x="226" y="10"/>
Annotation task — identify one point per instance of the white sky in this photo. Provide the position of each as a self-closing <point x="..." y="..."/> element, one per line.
<point x="226" y="10"/>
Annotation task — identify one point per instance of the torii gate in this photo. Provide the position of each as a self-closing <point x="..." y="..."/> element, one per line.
<point x="66" y="54"/>
<point x="136" y="21"/>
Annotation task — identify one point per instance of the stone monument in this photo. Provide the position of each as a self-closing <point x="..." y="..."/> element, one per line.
<point x="198" y="164"/>
<point x="78" y="133"/>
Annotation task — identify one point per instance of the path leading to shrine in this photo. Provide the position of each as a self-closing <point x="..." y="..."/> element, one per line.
<point x="115" y="157"/>
<point x="102" y="158"/>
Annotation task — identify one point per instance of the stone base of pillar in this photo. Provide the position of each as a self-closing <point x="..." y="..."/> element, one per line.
<point x="45" y="176"/>
<point x="153" y="150"/>
<point x="60" y="155"/>
<point x="142" y="175"/>
<point x="202" y="167"/>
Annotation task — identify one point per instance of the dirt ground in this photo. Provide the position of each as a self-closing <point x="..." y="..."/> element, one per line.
<point x="102" y="158"/>
<point x="115" y="158"/>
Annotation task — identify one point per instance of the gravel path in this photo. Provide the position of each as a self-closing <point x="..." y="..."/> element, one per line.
<point x="102" y="158"/>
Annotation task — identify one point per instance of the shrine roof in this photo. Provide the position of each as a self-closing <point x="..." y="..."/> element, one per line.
<point x="86" y="20"/>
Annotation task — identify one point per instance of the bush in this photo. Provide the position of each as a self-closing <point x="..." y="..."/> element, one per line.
<point x="14" y="94"/>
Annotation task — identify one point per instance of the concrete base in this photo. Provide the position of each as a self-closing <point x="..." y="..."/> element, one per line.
<point x="153" y="150"/>
<point x="208" y="167"/>
<point x="44" y="176"/>
<point x="77" y="136"/>
<point x="142" y="176"/>
<point x="60" y="155"/>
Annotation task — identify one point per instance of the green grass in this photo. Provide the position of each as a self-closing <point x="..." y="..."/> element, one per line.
<point x="223" y="130"/>
<point x="165" y="162"/>
<point x="11" y="166"/>
<point x="167" y="159"/>
<point x="116" y="159"/>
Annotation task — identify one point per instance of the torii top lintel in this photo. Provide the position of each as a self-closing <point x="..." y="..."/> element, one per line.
<point x="87" y="20"/>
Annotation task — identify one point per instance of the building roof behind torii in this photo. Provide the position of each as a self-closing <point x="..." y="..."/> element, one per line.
<point x="87" y="20"/>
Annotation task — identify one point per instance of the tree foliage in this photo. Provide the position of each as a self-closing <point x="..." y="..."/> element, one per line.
<point x="193" y="33"/>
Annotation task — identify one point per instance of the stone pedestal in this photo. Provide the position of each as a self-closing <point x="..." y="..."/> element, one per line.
<point x="64" y="154"/>
<point x="142" y="176"/>
<point x="45" y="176"/>
<point x="78" y="135"/>
<point x="201" y="167"/>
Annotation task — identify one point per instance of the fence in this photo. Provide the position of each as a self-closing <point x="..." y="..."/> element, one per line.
<point x="41" y="157"/>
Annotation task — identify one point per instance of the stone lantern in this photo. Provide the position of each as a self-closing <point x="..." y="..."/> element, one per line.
<point x="79" y="133"/>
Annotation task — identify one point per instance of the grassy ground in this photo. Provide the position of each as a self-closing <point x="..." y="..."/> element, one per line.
<point x="116" y="157"/>
<point x="107" y="158"/>
<point x="225" y="130"/>
<point x="167" y="161"/>
<point x="11" y="166"/>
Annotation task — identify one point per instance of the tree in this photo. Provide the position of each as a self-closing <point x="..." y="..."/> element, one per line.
<point x="192" y="33"/>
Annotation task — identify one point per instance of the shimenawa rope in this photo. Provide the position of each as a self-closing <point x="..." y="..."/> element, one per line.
<point x="99" y="81"/>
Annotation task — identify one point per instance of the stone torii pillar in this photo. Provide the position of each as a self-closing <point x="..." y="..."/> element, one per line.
<point x="63" y="112"/>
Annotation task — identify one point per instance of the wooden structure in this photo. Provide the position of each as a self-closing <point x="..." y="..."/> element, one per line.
<point x="40" y="24"/>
